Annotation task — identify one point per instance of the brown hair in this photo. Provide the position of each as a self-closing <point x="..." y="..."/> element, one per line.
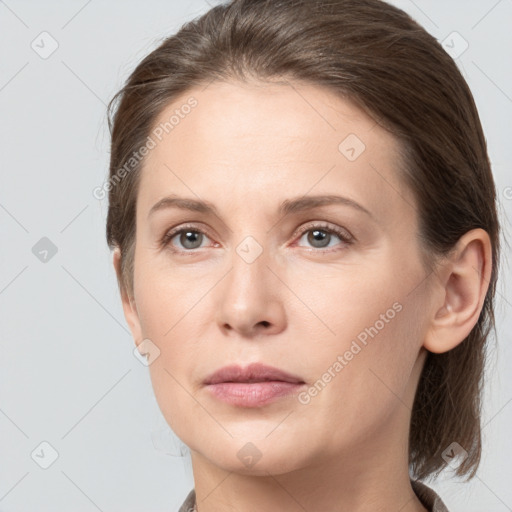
<point x="375" y="55"/>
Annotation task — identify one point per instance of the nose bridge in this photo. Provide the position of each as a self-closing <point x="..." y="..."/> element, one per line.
<point x="248" y="281"/>
<point x="250" y="292"/>
<point x="250" y="247"/>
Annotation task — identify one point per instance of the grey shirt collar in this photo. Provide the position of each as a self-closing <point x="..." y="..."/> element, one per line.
<point x="428" y="497"/>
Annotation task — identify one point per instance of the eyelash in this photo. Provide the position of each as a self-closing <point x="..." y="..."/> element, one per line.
<point x="342" y="234"/>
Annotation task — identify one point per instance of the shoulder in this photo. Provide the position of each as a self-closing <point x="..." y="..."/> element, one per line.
<point x="428" y="497"/>
<point x="189" y="505"/>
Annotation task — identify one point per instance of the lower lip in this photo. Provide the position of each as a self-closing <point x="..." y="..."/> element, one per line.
<point x="254" y="394"/>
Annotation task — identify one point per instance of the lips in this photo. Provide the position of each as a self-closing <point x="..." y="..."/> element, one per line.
<point x="256" y="385"/>
<point x="255" y="372"/>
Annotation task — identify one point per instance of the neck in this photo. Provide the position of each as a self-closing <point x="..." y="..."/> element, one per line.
<point x="371" y="475"/>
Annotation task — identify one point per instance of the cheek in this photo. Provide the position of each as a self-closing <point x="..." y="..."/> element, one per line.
<point x="171" y="310"/>
<point x="360" y="385"/>
<point x="167" y="300"/>
<point x="375" y="330"/>
<point x="348" y="301"/>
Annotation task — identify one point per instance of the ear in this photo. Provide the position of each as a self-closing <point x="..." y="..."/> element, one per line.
<point x="460" y="291"/>
<point x="129" y="307"/>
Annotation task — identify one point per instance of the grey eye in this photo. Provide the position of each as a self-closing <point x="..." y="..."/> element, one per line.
<point x="190" y="239"/>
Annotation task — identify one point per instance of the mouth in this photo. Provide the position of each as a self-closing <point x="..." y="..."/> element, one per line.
<point x="252" y="386"/>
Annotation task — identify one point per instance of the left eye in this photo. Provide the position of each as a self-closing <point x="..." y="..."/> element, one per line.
<point x="320" y="236"/>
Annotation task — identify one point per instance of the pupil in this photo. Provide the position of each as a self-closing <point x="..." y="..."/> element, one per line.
<point x="190" y="237"/>
<point x="319" y="236"/>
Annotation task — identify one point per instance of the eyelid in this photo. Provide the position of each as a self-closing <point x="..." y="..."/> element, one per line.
<point x="342" y="233"/>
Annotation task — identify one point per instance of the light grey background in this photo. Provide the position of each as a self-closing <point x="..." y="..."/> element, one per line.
<point x="68" y="375"/>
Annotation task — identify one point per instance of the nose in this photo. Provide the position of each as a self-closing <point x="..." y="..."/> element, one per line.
<point x="250" y="298"/>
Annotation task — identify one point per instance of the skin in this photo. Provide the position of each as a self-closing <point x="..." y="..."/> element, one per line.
<point x="247" y="147"/>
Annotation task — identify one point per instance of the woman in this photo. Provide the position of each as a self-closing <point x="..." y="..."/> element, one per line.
<point x="305" y="236"/>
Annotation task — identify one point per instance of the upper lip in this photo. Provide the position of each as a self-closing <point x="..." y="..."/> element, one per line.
<point x="255" y="372"/>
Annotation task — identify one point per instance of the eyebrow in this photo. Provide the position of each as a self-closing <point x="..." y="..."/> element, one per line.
<point x="287" y="206"/>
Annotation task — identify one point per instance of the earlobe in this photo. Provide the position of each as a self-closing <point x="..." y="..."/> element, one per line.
<point x="462" y="291"/>
<point x="129" y="305"/>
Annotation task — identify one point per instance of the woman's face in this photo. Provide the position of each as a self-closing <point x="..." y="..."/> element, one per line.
<point x="330" y="291"/>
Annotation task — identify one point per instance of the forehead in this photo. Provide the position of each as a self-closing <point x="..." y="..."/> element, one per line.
<point x="240" y="111"/>
<point x="251" y="138"/>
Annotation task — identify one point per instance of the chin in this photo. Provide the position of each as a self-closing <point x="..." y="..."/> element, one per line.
<point x="259" y="457"/>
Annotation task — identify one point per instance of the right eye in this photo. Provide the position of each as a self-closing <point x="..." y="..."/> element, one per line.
<point x="190" y="238"/>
